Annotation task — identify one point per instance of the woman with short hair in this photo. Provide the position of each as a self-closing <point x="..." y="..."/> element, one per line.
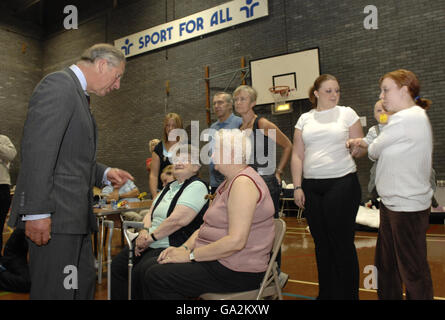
<point x="265" y="136"/>
<point x="175" y="214"/>
<point x="231" y="250"/>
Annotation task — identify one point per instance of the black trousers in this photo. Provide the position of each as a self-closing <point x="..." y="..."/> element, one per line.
<point x="63" y="269"/>
<point x="14" y="271"/>
<point x="5" y="202"/>
<point x="331" y="209"/>
<point x="275" y="191"/>
<point x="178" y="281"/>
<point x="16" y="280"/>
<point x="401" y="255"/>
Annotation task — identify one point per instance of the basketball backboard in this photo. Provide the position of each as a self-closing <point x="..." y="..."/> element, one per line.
<point x="298" y="70"/>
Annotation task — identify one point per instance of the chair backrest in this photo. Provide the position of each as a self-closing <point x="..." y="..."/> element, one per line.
<point x="271" y="274"/>
<point x="280" y="231"/>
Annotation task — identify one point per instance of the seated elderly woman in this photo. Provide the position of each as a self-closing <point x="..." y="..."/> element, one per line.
<point x="231" y="250"/>
<point x="177" y="211"/>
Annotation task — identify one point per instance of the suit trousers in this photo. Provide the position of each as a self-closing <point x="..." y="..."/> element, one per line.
<point x="5" y="202"/>
<point x="331" y="209"/>
<point x="63" y="269"/>
<point x="401" y="255"/>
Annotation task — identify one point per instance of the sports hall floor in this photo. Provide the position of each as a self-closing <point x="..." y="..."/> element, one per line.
<point x="298" y="260"/>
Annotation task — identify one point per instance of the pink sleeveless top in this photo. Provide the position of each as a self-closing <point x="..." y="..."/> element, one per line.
<point x="254" y="257"/>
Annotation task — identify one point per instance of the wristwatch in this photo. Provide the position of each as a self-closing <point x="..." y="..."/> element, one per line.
<point x="192" y="256"/>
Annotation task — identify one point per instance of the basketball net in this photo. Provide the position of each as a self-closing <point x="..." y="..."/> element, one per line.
<point x="280" y="95"/>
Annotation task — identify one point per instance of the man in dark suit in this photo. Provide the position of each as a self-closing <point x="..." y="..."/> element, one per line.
<point x="53" y="197"/>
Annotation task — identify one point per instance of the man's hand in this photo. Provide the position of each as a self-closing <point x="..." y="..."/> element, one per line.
<point x="38" y="231"/>
<point x="118" y="177"/>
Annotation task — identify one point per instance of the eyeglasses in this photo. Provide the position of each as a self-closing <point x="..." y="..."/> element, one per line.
<point x="241" y="99"/>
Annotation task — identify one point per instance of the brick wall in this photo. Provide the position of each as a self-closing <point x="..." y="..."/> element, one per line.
<point x="410" y="35"/>
<point x="21" y="56"/>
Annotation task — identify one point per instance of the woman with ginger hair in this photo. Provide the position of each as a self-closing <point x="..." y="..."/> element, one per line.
<point x="404" y="152"/>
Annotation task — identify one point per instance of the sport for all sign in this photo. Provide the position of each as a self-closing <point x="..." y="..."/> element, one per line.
<point x="207" y="21"/>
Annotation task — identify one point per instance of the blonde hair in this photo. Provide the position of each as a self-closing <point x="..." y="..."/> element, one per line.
<point x="178" y="123"/>
<point x="152" y="144"/>
<point x="250" y="91"/>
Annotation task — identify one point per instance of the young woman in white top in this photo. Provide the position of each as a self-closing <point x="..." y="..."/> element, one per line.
<point x="404" y="152"/>
<point x="326" y="185"/>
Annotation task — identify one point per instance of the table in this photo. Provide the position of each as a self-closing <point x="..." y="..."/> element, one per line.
<point x="102" y="214"/>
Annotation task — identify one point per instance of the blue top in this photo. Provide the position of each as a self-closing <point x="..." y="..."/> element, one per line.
<point x="232" y="122"/>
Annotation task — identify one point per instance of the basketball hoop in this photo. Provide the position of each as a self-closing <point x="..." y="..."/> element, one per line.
<point x="280" y="95"/>
<point x="282" y="91"/>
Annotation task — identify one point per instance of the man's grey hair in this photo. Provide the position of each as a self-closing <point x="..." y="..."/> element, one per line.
<point x="227" y="97"/>
<point x="105" y="51"/>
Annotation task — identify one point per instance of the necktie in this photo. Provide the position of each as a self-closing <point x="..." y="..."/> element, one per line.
<point x="89" y="103"/>
<point x="92" y="118"/>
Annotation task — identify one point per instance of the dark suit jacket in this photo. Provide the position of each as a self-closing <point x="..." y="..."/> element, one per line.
<point x="58" y="157"/>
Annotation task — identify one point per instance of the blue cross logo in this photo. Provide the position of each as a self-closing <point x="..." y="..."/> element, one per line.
<point x="249" y="8"/>
<point x="127" y="47"/>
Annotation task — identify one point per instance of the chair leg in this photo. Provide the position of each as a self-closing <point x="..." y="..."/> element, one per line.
<point x="95" y="243"/>
<point x="282" y="208"/>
